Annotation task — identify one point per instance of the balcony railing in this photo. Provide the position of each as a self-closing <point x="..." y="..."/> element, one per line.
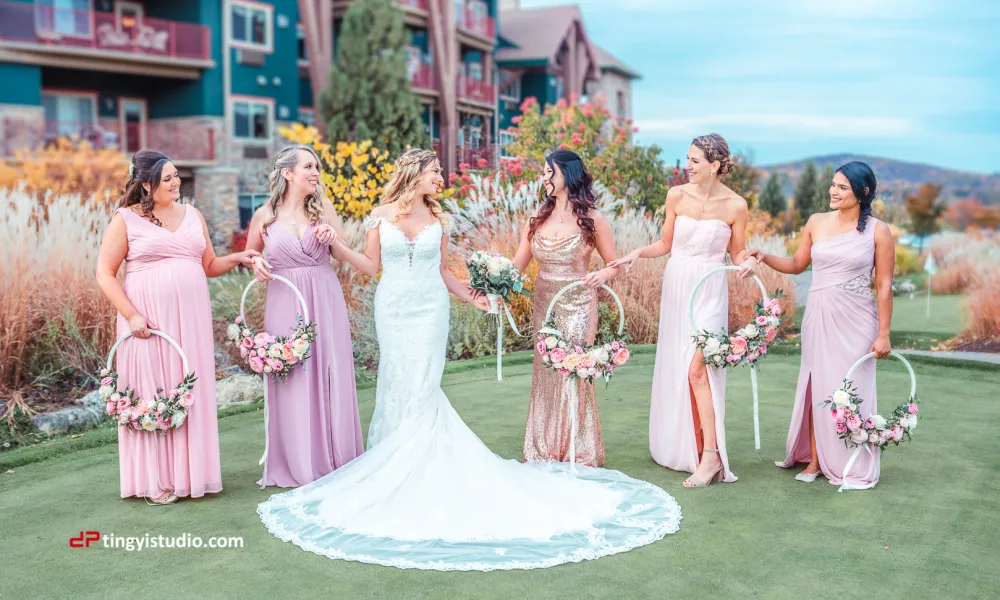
<point x="420" y="4"/>
<point x="51" y="27"/>
<point x="180" y="140"/>
<point x="476" y="90"/>
<point x="472" y="158"/>
<point x="476" y="22"/>
<point x="423" y="77"/>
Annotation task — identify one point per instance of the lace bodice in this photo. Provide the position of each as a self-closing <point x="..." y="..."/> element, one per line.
<point x="405" y="257"/>
<point x="703" y="240"/>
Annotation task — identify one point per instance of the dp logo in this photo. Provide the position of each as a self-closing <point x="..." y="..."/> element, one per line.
<point x="84" y="539"/>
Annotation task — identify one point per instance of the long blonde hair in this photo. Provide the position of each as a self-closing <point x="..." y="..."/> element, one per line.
<point x="287" y="158"/>
<point x="403" y="183"/>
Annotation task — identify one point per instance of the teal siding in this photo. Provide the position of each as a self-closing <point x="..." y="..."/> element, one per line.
<point x="22" y="84"/>
<point x="281" y="63"/>
<point x="180" y="98"/>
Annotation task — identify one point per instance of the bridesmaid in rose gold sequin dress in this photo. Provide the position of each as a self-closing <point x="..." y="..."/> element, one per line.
<point x="563" y="241"/>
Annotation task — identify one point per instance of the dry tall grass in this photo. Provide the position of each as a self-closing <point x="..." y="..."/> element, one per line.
<point x="53" y="317"/>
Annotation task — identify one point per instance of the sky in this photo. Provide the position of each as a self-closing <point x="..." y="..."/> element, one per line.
<point x="914" y="80"/>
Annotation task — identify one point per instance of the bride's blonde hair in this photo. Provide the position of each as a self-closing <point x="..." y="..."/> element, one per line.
<point x="403" y="183"/>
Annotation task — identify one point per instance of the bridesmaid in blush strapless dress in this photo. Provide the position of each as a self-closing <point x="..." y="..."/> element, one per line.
<point x="843" y="322"/>
<point x="313" y="421"/>
<point x="687" y="415"/>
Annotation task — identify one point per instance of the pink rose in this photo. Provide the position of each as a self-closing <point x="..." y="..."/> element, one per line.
<point x="738" y="345"/>
<point x="762" y="321"/>
<point x="124" y="403"/>
<point x="563" y="372"/>
<point x="291" y="361"/>
<point x="839" y="414"/>
<point x="912" y="409"/>
<point x="869" y="423"/>
<point x="286" y="353"/>
<point x="110" y="408"/>
<point x="187" y="399"/>
<point x="841" y="428"/>
<point x="261" y="339"/>
<point x="579" y="350"/>
<point x="774" y="307"/>
<point x="621" y="357"/>
<point x="763" y="349"/>
<point x="275" y="364"/>
<point x="246" y="343"/>
<point x="615" y="346"/>
<point x="540" y="346"/>
<point x="107" y="381"/>
<point x="244" y="352"/>
<point x="897" y="433"/>
<point x="753" y="356"/>
<point x="732" y="359"/>
<point x="558" y="355"/>
<point x="853" y="423"/>
<point x="588" y="362"/>
<point x="256" y="363"/>
<point x="238" y="319"/>
<point x="769" y="334"/>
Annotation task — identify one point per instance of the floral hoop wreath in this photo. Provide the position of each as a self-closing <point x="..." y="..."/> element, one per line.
<point x="280" y="355"/>
<point x="572" y="361"/>
<point x="876" y="430"/>
<point x="720" y="349"/>
<point x="166" y="410"/>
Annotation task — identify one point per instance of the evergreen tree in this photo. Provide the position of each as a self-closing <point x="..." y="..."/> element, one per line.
<point x="822" y="197"/>
<point x="805" y="192"/>
<point x="771" y="199"/>
<point x="368" y="93"/>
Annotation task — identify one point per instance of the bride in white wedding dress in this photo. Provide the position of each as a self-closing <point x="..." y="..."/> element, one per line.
<point x="428" y="494"/>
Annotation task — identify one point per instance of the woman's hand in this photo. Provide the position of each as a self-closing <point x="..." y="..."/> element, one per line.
<point x="246" y="257"/>
<point x="481" y="302"/>
<point x="749" y="266"/>
<point x="881" y="347"/>
<point x="261" y="269"/>
<point x="476" y="293"/>
<point x="326" y="234"/>
<point x="627" y="260"/>
<point x="597" y="278"/>
<point x="140" y="327"/>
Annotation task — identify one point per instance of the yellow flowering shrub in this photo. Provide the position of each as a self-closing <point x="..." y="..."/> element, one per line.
<point x="67" y="167"/>
<point x="354" y="173"/>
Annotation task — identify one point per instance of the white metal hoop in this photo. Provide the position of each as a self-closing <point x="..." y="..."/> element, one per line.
<point x="184" y="360"/>
<point x="694" y="292"/>
<point x="906" y="363"/>
<point x="298" y="294"/>
<point x="621" y="309"/>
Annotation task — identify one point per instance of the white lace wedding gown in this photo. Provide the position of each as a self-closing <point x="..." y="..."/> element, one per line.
<point x="428" y="494"/>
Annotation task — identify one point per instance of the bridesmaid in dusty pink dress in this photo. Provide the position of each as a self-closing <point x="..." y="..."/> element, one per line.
<point x="314" y="426"/>
<point x="704" y="218"/>
<point x="842" y="323"/>
<point x="167" y="254"/>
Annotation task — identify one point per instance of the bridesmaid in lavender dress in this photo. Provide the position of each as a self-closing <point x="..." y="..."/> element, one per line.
<point x="313" y="425"/>
<point x="842" y="323"/>
<point x="687" y="418"/>
<point x="167" y="255"/>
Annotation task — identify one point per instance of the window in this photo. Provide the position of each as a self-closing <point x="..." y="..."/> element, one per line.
<point x="622" y="110"/>
<point x="69" y="114"/>
<point x="252" y="119"/>
<point x="307" y="116"/>
<point x="513" y="90"/>
<point x="248" y="204"/>
<point x="506" y="138"/>
<point x="300" y="33"/>
<point x="251" y="26"/>
<point x="475" y="70"/>
<point x="66" y="17"/>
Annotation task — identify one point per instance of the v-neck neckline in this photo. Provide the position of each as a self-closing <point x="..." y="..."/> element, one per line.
<point x="179" y="225"/>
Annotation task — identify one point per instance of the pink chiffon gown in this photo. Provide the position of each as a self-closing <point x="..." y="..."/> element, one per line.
<point x="839" y="327"/>
<point x="675" y="439"/>
<point x="165" y="281"/>
<point x="313" y="421"/>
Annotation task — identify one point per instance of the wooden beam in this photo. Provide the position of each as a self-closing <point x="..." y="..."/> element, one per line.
<point x="441" y="27"/>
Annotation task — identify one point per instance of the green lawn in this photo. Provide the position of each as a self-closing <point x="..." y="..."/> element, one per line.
<point x="936" y="509"/>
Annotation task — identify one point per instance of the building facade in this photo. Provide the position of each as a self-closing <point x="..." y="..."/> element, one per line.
<point x="209" y="82"/>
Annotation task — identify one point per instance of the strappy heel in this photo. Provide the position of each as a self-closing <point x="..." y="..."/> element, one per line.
<point x="694" y="483"/>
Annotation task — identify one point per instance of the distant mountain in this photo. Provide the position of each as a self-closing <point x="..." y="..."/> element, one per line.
<point x="897" y="177"/>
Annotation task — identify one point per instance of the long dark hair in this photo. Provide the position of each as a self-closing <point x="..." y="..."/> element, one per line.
<point x="864" y="186"/>
<point x="146" y="168"/>
<point x="580" y="189"/>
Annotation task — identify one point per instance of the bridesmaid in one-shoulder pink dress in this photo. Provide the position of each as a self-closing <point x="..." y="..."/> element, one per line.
<point x="843" y="322"/>
<point x="167" y="256"/>
<point x="704" y="219"/>
<point x="313" y="424"/>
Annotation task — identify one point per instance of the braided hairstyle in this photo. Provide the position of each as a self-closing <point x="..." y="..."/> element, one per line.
<point x="715" y="148"/>
<point x="864" y="186"/>
<point x="403" y="183"/>
<point x="145" y="169"/>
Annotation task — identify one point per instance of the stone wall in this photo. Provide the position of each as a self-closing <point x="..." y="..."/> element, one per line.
<point x="216" y="192"/>
<point x="21" y="127"/>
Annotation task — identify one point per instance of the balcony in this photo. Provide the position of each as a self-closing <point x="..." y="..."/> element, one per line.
<point x="474" y="90"/>
<point x="476" y="22"/>
<point x="100" y="35"/>
<point x="423" y="77"/>
<point x="184" y="142"/>
<point x="417" y="4"/>
<point x="472" y="158"/>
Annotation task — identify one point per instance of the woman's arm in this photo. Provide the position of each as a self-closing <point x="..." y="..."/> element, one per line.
<point x="333" y="229"/>
<point x="220" y="265"/>
<point x="738" y="241"/>
<point x="114" y="249"/>
<point x="793" y="265"/>
<point x="255" y="241"/>
<point x="457" y="287"/>
<point x="371" y="260"/>
<point x="522" y="258"/>
<point x="605" y="244"/>
<point x="885" y="266"/>
<point x="661" y="246"/>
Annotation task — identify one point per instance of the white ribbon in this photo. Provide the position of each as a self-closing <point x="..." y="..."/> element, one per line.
<point x="496" y="306"/>
<point x="847" y="469"/>
<point x="570" y="392"/>
<point x="305" y="317"/>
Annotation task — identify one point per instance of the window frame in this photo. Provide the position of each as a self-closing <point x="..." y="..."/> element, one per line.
<point x="250" y="7"/>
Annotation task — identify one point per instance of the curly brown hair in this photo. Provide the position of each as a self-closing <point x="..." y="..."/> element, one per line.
<point x="580" y="190"/>
<point x="716" y="149"/>
<point x="145" y="169"/>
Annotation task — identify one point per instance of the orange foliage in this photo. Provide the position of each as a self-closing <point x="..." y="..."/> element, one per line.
<point x="67" y="167"/>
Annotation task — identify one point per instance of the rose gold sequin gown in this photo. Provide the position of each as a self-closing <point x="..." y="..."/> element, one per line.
<point x="562" y="261"/>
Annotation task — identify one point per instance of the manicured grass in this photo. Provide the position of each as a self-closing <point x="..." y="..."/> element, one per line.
<point x="936" y="509"/>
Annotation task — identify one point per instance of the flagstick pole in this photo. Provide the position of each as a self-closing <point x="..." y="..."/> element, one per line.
<point x="929" y="296"/>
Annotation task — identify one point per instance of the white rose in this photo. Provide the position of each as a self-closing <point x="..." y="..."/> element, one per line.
<point x="545" y="358"/>
<point x="562" y="344"/>
<point x="718" y="358"/>
<point x="581" y="373"/>
<point x="147" y="423"/>
<point x="550" y="342"/>
<point x="750" y="331"/>
<point x="841" y="398"/>
<point x="910" y="421"/>
<point x="774" y="321"/>
<point x="115" y="397"/>
<point x="591" y="371"/>
<point x="873" y="438"/>
<point x="880" y="422"/>
<point x="178" y="418"/>
<point x="557" y="365"/>
<point x="602" y="355"/>
<point x="233" y="331"/>
<point x="105" y="391"/>
<point x="712" y="346"/>
<point x="852" y="407"/>
<point x="299" y="348"/>
<point x="607" y="347"/>
<point x="274" y="351"/>
<point x="247" y="333"/>
<point x="859" y="436"/>
<point x="494" y="266"/>
<point x="161" y="407"/>
<point x="105" y="372"/>
<point x="150" y="404"/>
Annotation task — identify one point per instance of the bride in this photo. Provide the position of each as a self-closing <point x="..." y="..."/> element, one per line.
<point x="428" y="494"/>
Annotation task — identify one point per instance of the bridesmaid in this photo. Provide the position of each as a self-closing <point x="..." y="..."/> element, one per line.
<point x="314" y="426"/>
<point x="167" y="255"/>
<point x="704" y="218"/>
<point x="842" y="323"/>
<point x="562" y="236"/>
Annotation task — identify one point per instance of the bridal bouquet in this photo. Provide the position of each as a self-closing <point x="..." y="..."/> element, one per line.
<point x="495" y="275"/>
<point x="748" y="344"/>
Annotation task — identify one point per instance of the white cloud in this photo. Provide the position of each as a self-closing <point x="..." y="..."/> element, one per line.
<point x="794" y="125"/>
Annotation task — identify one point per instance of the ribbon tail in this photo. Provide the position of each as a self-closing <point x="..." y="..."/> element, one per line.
<point x="263" y="458"/>
<point x="513" y="325"/>
<point x="756" y="409"/>
<point x="499" y="349"/>
<point x="572" y="387"/>
<point x="847" y="469"/>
